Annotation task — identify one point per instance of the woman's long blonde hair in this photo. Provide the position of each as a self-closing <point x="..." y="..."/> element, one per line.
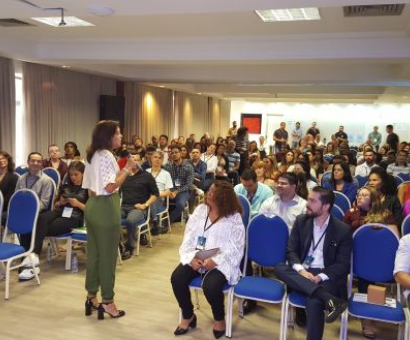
<point x="377" y="213"/>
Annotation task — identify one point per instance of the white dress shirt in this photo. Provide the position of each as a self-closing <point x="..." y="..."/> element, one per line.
<point x="288" y="211"/>
<point x="402" y="262"/>
<point x="364" y="169"/>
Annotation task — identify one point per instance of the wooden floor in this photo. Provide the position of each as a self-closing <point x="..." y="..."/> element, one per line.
<point x="55" y="309"/>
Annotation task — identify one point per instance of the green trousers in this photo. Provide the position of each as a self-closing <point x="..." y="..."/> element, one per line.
<point x="102" y="216"/>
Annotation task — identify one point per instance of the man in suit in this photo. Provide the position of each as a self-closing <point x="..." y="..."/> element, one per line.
<point x="318" y="254"/>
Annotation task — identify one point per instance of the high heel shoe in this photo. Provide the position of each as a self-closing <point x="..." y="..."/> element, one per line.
<point x="218" y="334"/>
<point x="181" y="331"/>
<point x="101" y="311"/>
<point x="89" y="306"/>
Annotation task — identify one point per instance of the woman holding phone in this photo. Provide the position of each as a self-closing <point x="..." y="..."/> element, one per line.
<point x="217" y="224"/>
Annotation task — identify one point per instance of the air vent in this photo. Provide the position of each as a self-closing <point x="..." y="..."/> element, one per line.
<point x="373" y="10"/>
<point x="13" y="23"/>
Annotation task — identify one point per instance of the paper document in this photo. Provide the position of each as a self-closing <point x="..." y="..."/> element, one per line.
<point x="360" y="297"/>
<point x="206" y="254"/>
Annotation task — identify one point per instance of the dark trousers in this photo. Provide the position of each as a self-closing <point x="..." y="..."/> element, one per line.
<point x="49" y="223"/>
<point x="212" y="285"/>
<point x="314" y="306"/>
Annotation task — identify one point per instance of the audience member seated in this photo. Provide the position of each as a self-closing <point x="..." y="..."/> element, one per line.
<point x="163" y="147"/>
<point x="211" y="164"/>
<point x="139" y="191"/>
<point x="54" y="161"/>
<point x="369" y="163"/>
<point x="271" y="167"/>
<point x="182" y="175"/>
<point x="342" y="181"/>
<point x="390" y="159"/>
<point x="68" y="210"/>
<point x="403" y="192"/>
<point x="402" y="266"/>
<point x="330" y="150"/>
<point x="285" y="203"/>
<point x="242" y="141"/>
<point x="199" y="169"/>
<point x="215" y="224"/>
<point x="304" y="168"/>
<point x="288" y="162"/>
<point x="8" y="181"/>
<point x="318" y="163"/>
<point x="71" y="153"/>
<point x="318" y="269"/>
<point x="185" y="153"/>
<point x="400" y="166"/>
<point x="386" y="187"/>
<point x="42" y="185"/>
<point x="164" y="185"/>
<point x="149" y="150"/>
<point x="139" y="147"/>
<point x="234" y="161"/>
<point x="260" y="171"/>
<point x="255" y="192"/>
<point x="222" y="169"/>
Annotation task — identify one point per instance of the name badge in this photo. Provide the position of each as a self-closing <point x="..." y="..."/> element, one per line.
<point x="308" y="261"/>
<point x="200" y="245"/>
<point x="67" y="212"/>
<point x="177" y="183"/>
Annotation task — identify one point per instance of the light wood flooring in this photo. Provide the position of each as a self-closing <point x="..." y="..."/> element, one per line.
<point x="55" y="309"/>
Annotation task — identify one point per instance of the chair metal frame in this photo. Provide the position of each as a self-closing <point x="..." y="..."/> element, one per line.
<point x="403" y="326"/>
<point x="54" y="175"/>
<point x="360" y="181"/>
<point x="405" y="226"/>
<point x="164" y="215"/>
<point x="345" y="198"/>
<point x="338" y="210"/>
<point x="28" y="252"/>
<point x="141" y="232"/>
<point x="246" y="205"/>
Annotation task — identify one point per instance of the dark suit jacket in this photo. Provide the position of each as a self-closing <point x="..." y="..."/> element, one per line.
<point x="337" y="246"/>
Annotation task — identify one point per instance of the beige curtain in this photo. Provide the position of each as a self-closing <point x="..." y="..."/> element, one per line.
<point x="193" y="114"/>
<point x="7" y="106"/>
<point x="60" y="106"/>
<point x="148" y="111"/>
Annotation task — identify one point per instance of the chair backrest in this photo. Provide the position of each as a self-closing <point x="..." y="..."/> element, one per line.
<point x="342" y="201"/>
<point x="326" y="178"/>
<point x="246" y="206"/>
<point x="1" y="203"/>
<point x="398" y="180"/>
<point x="21" y="170"/>
<point x="362" y="180"/>
<point x="23" y="210"/>
<point x="405" y="177"/>
<point x="337" y="212"/>
<point x="52" y="196"/>
<point x="54" y="175"/>
<point x="374" y="252"/>
<point x="267" y="240"/>
<point x="405" y="226"/>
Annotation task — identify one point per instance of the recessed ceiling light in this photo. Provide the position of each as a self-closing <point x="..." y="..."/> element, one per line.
<point x="162" y="86"/>
<point x="199" y="93"/>
<point x="289" y="14"/>
<point x="100" y="10"/>
<point x="69" y="21"/>
<point x="65" y="66"/>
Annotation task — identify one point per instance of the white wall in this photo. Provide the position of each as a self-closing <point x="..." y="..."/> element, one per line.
<point x="358" y="119"/>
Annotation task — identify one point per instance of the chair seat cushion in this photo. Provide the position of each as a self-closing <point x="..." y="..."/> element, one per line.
<point x="8" y="250"/>
<point x="297" y="299"/>
<point x="387" y="314"/>
<point x="260" y="288"/>
<point x="196" y="283"/>
<point x="79" y="237"/>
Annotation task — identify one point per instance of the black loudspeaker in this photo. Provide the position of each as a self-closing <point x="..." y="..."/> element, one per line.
<point x="113" y="108"/>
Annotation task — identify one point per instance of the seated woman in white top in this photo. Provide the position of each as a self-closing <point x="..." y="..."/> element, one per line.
<point x="164" y="184"/>
<point x="215" y="224"/>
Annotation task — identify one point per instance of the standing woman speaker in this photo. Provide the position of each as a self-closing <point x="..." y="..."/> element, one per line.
<point x="102" y="178"/>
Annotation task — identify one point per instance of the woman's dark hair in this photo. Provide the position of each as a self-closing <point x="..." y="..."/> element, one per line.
<point x="10" y="165"/>
<point x="321" y="161"/>
<point x="74" y="145"/>
<point x="301" y="188"/>
<point x="225" y="199"/>
<point x="102" y="137"/>
<point x="347" y="176"/>
<point x="220" y="146"/>
<point x="241" y="132"/>
<point x="284" y="161"/>
<point x="389" y="185"/>
<point x="75" y="165"/>
<point x="306" y="168"/>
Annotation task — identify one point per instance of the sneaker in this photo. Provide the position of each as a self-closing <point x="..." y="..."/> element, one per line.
<point x="143" y="240"/>
<point x="28" y="274"/>
<point x="29" y="259"/>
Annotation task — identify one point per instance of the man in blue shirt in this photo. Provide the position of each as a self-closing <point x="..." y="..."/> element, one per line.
<point x="199" y="168"/>
<point x="255" y="192"/>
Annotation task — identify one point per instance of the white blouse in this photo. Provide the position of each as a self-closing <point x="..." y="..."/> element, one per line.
<point x="227" y="234"/>
<point x="211" y="163"/>
<point x="102" y="171"/>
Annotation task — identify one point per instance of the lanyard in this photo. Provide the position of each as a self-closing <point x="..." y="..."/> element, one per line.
<point x="206" y="221"/>
<point x="32" y="184"/>
<point x="317" y="244"/>
<point x="155" y="177"/>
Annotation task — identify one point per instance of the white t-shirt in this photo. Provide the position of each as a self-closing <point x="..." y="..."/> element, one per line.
<point x="102" y="171"/>
<point x="163" y="180"/>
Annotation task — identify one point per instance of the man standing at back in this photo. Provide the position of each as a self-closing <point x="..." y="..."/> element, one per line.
<point x="297" y="134"/>
<point x="375" y="138"/>
<point x="280" y="136"/>
<point x="319" y="252"/>
<point x="233" y="130"/>
<point x="392" y="138"/>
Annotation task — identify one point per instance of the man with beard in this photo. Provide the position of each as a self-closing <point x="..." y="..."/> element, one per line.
<point x="369" y="162"/>
<point x="319" y="252"/>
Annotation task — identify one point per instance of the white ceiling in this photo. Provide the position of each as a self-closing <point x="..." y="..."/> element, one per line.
<point x="222" y="48"/>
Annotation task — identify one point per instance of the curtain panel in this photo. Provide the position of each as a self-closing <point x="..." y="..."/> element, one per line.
<point x="60" y="106"/>
<point x="7" y="106"/>
<point x="148" y="111"/>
